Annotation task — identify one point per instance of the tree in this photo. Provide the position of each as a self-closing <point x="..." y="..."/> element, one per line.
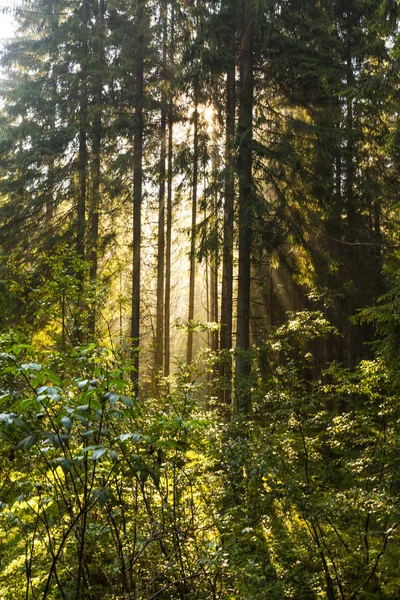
<point x="159" y="352"/>
<point x="229" y="202"/>
<point x="140" y="25"/>
<point x="245" y="208"/>
<point x="168" y="233"/>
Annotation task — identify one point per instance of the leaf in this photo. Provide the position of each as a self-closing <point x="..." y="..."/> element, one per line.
<point x="53" y="378"/>
<point x="7" y="418"/>
<point x="90" y="448"/>
<point x="111" y="397"/>
<point x="26" y="404"/>
<point x="31" y="366"/>
<point x="144" y="474"/>
<point x="4" y="397"/>
<point x="81" y="419"/>
<point x="67" y="423"/>
<point x="155" y="477"/>
<point x="103" y="495"/>
<point x="86" y="434"/>
<point x="98" y="453"/>
<point x="105" y="432"/>
<point x="65" y="464"/>
<point x="136" y="437"/>
<point x="48" y="391"/>
<point x="59" y="440"/>
<point x="113" y="455"/>
<point x="127" y="401"/>
<point x="29" y="441"/>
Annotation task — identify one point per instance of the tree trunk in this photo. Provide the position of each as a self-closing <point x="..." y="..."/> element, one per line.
<point x="351" y="213"/>
<point x="78" y="333"/>
<point x="159" y="350"/>
<point x="83" y="153"/>
<point x="192" y="274"/>
<point x="245" y="124"/>
<point x="227" y="252"/>
<point x="214" y="262"/>
<point x="167" y="310"/>
<point x="137" y="192"/>
<point x="96" y="163"/>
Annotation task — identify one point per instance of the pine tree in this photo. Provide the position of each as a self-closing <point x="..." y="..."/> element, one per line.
<point x="246" y="202"/>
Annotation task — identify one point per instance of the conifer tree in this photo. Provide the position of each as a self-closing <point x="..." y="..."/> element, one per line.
<point x="140" y="24"/>
<point x="245" y="207"/>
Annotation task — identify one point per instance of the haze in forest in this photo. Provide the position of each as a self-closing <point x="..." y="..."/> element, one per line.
<point x="199" y="300"/>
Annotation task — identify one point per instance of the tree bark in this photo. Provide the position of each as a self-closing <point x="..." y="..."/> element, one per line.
<point x="83" y="152"/>
<point x="227" y="252"/>
<point x="78" y="332"/>
<point x="192" y="258"/>
<point x="96" y="162"/>
<point x="159" y="341"/>
<point x="168" y="233"/>
<point x="243" y="364"/>
<point x="137" y="193"/>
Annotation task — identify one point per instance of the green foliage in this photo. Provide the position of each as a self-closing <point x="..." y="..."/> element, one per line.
<point x="99" y="494"/>
<point x="103" y="495"/>
<point x="384" y="316"/>
<point x="310" y="478"/>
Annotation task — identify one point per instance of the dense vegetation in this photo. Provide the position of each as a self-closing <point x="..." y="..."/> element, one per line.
<point x="199" y="275"/>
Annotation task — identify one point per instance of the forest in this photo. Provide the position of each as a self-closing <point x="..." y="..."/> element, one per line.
<point x="200" y="300"/>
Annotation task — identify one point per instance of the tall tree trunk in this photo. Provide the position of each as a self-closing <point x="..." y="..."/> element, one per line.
<point x="78" y="333"/>
<point x="192" y="273"/>
<point x="83" y="124"/>
<point x="227" y="253"/>
<point x="96" y="163"/>
<point x="137" y="192"/>
<point x="351" y="214"/>
<point x="49" y="208"/>
<point x="245" y="125"/>
<point x="214" y="262"/>
<point x="159" y="353"/>
<point x="168" y="234"/>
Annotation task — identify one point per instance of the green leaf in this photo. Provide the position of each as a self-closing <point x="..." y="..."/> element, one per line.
<point x="83" y="384"/>
<point x="135" y="437"/>
<point x="144" y="474"/>
<point x="67" y="423"/>
<point x="98" y="453"/>
<point x="127" y="401"/>
<point x="155" y="477"/>
<point x="65" y="464"/>
<point x="102" y="496"/>
<point x="31" y="366"/>
<point x="7" y="418"/>
<point x="29" y="441"/>
<point x="26" y="404"/>
<point x="81" y="419"/>
<point x="90" y="448"/>
<point x="113" y="455"/>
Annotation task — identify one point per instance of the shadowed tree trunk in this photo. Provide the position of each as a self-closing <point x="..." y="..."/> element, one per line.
<point x="245" y="124"/>
<point x="168" y="234"/>
<point x="192" y="273"/>
<point x="137" y="191"/>
<point x="83" y="151"/>
<point x="78" y="333"/>
<point x="214" y="262"/>
<point x="227" y="252"/>
<point x="96" y="163"/>
<point x="159" y="351"/>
